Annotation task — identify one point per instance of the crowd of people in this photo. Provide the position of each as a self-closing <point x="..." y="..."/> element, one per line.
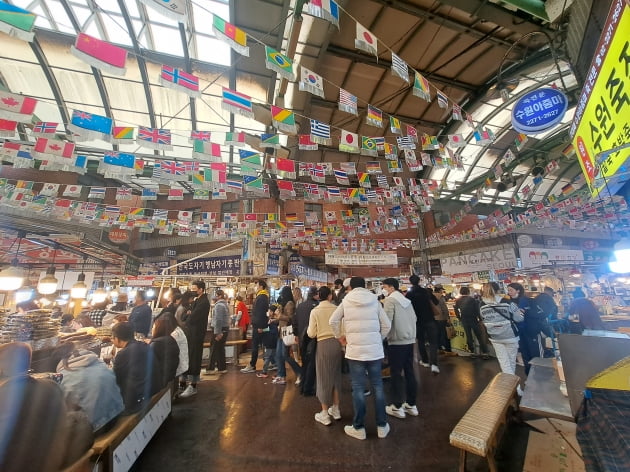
<point x="332" y="330"/>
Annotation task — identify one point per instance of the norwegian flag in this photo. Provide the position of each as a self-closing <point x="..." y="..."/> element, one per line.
<point x="178" y="79"/>
<point x="200" y="136"/>
<point x="45" y="128"/>
<point x="154" y="138"/>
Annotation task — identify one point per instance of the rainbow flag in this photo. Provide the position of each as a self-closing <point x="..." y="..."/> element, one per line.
<point x="421" y="87"/>
<point x="283" y="120"/>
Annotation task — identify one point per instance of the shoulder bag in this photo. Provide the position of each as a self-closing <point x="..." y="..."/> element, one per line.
<point x="514" y="327"/>
<point x="288" y="338"/>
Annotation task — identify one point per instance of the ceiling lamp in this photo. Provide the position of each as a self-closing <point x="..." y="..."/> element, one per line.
<point x="575" y="273"/>
<point x="48" y="284"/>
<point x="79" y="289"/>
<point x="12" y="277"/>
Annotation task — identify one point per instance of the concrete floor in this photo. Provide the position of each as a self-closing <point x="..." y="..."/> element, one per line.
<point x="238" y="422"/>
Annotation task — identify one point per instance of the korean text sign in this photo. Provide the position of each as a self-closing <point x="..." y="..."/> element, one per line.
<point x="218" y="266"/>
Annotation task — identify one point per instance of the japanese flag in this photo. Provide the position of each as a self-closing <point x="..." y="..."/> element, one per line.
<point x="365" y="40"/>
<point x="185" y="215"/>
<point x="456" y="140"/>
<point x="349" y="142"/>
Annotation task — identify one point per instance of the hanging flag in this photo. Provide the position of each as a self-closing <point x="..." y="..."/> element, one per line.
<point x="122" y="134"/>
<point x="148" y="194"/>
<point x="456" y="140"/>
<point x="326" y="9"/>
<point x="237" y="103"/>
<point x="46" y="148"/>
<point x="349" y="142"/>
<point x="412" y="133"/>
<point x="551" y="166"/>
<point x="97" y="192"/>
<point x="45" y="128"/>
<point x="206" y="151"/>
<point x="405" y="142"/>
<point x="391" y="151"/>
<point x="457" y="112"/>
<point x="7" y="128"/>
<point x="16" y="107"/>
<point x="320" y="133"/>
<point x="368" y="146"/>
<point x="374" y="116"/>
<point x="270" y="141"/>
<point x="508" y="156"/>
<point x="442" y="99"/>
<point x="279" y="63"/>
<point x="88" y="126"/>
<point x="119" y="159"/>
<point x="306" y="144"/>
<point x="235" y="139"/>
<point x="421" y="87"/>
<point x="201" y="194"/>
<point x="72" y="191"/>
<point x="483" y="135"/>
<point x="394" y="125"/>
<point x="311" y="82"/>
<point x="175" y="193"/>
<point x="373" y="167"/>
<point x="520" y="141"/>
<point x="227" y="32"/>
<point x="16" y="22"/>
<point x="252" y="159"/>
<point x="394" y="166"/>
<point x="100" y="54"/>
<point x="174" y="9"/>
<point x="283" y="120"/>
<point x="180" y="80"/>
<point x="154" y="138"/>
<point x="347" y="102"/>
<point x="341" y="177"/>
<point x="349" y="167"/>
<point x="365" y="41"/>
<point x="364" y="180"/>
<point x="285" y="168"/>
<point x="400" y="68"/>
<point x="49" y="190"/>
<point x="199" y="136"/>
<point x="568" y="151"/>
<point x="123" y="193"/>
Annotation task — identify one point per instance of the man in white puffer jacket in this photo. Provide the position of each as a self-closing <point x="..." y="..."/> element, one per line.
<point x="365" y="325"/>
<point x="400" y="340"/>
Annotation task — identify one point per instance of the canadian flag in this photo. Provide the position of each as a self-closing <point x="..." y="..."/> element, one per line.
<point x="53" y="147"/>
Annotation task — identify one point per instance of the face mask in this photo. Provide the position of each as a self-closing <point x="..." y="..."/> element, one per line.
<point x="385" y="292"/>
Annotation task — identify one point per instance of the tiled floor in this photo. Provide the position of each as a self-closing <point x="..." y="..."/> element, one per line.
<point x="239" y="422"/>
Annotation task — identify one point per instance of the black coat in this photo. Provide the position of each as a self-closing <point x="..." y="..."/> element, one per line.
<point x="420" y="298"/>
<point x="137" y="375"/>
<point x="166" y="354"/>
<point x="196" y="327"/>
<point x="259" y="312"/>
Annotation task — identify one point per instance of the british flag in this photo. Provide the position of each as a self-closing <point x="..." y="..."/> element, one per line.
<point x="200" y="136"/>
<point x="154" y="137"/>
<point x="172" y="168"/>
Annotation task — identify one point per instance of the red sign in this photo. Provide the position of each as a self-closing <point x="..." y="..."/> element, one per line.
<point x="118" y="236"/>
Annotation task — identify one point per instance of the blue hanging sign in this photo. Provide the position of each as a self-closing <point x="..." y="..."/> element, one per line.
<point x="539" y="110"/>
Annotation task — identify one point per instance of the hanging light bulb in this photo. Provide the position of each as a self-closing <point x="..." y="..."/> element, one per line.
<point x="100" y="294"/>
<point x="621" y="255"/>
<point x="575" y="273"/>
<point x="12" y="277"/>
<point x="79" y="289"/>
<point x="48" y="284"/>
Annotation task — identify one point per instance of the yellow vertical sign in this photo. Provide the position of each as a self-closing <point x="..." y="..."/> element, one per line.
<point x="604" y="116"/>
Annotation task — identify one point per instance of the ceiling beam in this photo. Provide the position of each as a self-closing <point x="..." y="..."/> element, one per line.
<point x="441" y="19"/>
<point x="193" y="110"/>
<point x="385" y="64"/>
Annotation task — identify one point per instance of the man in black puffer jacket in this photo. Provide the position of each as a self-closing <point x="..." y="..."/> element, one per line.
<point x="307" y="344"/>
<point x="260" y="322"/>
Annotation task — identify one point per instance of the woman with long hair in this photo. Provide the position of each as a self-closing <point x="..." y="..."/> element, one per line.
<point x="284" y="317"/>
<point x="501" y="319"/>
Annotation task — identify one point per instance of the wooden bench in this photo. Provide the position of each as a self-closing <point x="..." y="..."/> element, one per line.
<point x="82" y="464"/>
<point x="118" y="448"/>
<point x="480" y="429"/>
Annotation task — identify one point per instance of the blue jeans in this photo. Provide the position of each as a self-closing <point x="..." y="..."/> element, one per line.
<point x="358" y="370"/>
<point x="268" y="355"/>
<point x="281" y="357"/>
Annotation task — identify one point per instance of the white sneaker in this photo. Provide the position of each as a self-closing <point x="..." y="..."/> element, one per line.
<point x="334" y="412"/>
<point x="424" y="364"/>
<point x="224" y="371"/>
<point x="189" y="392"/>
<point x="323" y="418"/>
<point x="298" y="381"/>
<point x="382" y="431"/>
<point x="435" y="369"/>
<point x="393" y="411"/>
<point x="355" y="433"/>
<point x="519" y="390"/>
<point x="410" y="410"/>
<point x="248" y="369"/>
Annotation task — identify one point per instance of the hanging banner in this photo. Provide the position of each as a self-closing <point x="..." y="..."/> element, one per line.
<point x="218" y="266"/>
<point x="497" y="257"/>
<point x="273" y="264"/>
<point x="384" y="258"/>
<point x="539" y="256"/>
<point x="603" y="108"/>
